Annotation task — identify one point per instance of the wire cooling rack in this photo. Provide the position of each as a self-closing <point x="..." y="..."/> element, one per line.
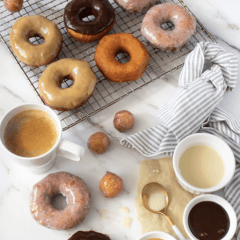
<point x="106" y="93"/>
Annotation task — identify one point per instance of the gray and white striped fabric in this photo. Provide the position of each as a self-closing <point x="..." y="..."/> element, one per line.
<point x="194" y="108"/>
<point x="195" y="99"/>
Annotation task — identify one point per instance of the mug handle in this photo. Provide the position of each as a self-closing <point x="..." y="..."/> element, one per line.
<point x="70" y="150"/>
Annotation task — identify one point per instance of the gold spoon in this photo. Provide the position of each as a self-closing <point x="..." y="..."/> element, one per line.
<point x="146" y="192"/>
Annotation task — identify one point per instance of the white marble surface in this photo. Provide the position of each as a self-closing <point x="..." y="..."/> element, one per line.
<point x="222" y="19"/>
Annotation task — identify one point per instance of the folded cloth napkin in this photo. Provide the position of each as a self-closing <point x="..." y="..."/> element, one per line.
<point x="194" y="108"/>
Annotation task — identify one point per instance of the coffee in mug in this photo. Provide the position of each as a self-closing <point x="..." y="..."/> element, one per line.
<point x="30" y="133"/>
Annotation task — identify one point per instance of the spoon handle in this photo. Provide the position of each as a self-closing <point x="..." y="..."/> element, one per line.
<point x="178" y="233"/>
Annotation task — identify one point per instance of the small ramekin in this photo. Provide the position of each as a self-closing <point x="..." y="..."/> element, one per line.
<point x="156" y="234"/>
<point x="208" y="140"/>
<point x="213" y="198"/>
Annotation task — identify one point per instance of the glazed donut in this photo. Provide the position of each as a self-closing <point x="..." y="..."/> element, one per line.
<point x="135" y="6"/>
<point x="65" y="99"/>
<point x="31" y="26"/>
<point x="184" y="22"/>
<point x="13" y="5"/>
<point x="78" y="199"/>
<point x="110" y="46"/>
<point x="90" y="31"/>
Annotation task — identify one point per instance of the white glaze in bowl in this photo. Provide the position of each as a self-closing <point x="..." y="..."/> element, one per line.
<point x="208" y="140"/>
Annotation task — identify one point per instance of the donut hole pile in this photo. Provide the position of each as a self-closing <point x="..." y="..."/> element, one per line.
<point x="122" y="56"/>
<point x="67" y="81"/>
<point x="167" y="25"/>
<point x="87" y="15"/>
<point x="36" y="39"/>
<point x="59" y="201"/>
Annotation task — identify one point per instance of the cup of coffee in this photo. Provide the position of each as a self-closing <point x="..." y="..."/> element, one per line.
<point x="31" y="135"/>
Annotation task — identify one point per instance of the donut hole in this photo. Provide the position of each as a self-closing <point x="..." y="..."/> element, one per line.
<point x="67" y="82"/>
<point x="87" y="15"/>
<point x="36" y="39"/>
<point x="122" y="57"/>
<point x="59" y="202"/>
<point x="168" y="25"/>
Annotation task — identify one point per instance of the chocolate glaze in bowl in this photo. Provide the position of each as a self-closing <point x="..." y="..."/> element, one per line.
<point x="208" y="220"/>
<point x="215" y="199"/>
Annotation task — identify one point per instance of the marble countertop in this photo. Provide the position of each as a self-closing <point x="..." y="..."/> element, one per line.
<point x="222" y="20"/>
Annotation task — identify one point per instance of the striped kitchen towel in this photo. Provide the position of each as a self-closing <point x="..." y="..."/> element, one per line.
<point x="194" y="108"/>
<point x="190" y="106"/>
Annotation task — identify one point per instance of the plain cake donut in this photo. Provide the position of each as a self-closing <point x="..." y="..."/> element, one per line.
<point x="110" y="46"/>
<point x="88" y="31"/>
<point x="78" y="201"/>
<point x="184" y="22"/>
<point x="135" y="6"/>
<point x="31" y="26"/>
<point x="65" y="99"/>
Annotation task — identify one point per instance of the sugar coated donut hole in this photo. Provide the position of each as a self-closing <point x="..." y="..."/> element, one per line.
<point x="123" y="120"/>
<point x="98" y="143"/>
<point x="111" y="185"/>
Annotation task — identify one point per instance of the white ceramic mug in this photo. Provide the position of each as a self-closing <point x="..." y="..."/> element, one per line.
<point x="212" y="198"/>
<point x="208" y="140"/>
<point x="44" y="162"/>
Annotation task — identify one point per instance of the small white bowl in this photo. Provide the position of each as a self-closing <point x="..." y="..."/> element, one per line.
<point x="212" y="198"/>
<point x="208" y="140"/>
<point x="156" y="234"/>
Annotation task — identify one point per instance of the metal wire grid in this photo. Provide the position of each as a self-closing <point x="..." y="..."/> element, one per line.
<point x="106" y="93"/>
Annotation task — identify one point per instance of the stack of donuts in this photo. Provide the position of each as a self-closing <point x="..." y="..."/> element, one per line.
<point x="88" y="21"/>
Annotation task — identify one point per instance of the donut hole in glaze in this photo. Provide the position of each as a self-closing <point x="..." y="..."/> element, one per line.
<point x="122" y="56"/>
<point x="168" y="25"/>
<point x="87" y="14"/>
<point x="67" y="81"/>
<point x="36" y="39"/>
<point x="59" y="201"/>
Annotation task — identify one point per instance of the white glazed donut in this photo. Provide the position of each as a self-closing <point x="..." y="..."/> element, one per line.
<point x="184" y="22"/>
<point x="135" y="6"/>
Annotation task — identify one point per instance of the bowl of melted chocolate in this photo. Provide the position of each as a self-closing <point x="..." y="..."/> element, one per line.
<point x="209" y="217"/>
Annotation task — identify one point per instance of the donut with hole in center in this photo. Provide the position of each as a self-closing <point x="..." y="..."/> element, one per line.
<point x="110" y="46"/>
<point x="69" y="185"/>
<point x="73" y="97"/>
<point x="166" y="39"/>
<point x="35" y="26"/>
<point x="88" y="20"/>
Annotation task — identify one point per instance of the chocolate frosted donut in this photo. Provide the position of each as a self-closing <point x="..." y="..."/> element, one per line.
<point x="91" y="235"/>
<point x="78" y="199"/>
<point x="165" y="40"/>
<point x="88" y="31"/>
<point x="31" y="26"/>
